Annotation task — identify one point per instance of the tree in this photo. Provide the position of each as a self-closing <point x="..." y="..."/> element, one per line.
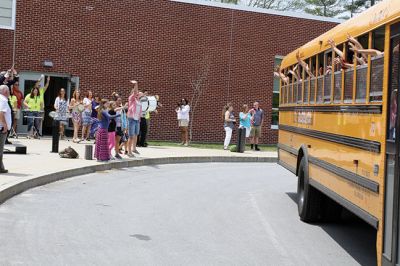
<point x="277" y="4"/>
<point x="199" y="85"/>
<point x="326" y="8"/>
<point x="357" y="6"/>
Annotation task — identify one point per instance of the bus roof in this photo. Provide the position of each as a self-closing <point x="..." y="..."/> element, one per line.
<point x="374" y="17"/>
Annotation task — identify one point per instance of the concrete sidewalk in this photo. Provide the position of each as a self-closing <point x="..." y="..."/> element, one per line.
<point x="40" y="166"/>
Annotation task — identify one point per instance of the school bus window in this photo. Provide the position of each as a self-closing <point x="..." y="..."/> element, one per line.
<point x="299" y="82"/>
<point x="362" y="71"/>
<point x="292" y="96"/>
<point x="328" y="77"/>
<point x="377" y="62"/>
<point x="337" y="93"/>
<point x="313" y="79"/>
<point x="361" y="83"/>
<point x="349" y="71"/>
<point x="320" y="79"/>
<point x="306" y="79"/>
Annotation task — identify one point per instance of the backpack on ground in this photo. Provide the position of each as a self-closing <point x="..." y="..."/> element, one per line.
<point x="68" y="153"/>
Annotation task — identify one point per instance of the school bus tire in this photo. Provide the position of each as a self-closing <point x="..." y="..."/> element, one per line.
<point x="309" y="199"/>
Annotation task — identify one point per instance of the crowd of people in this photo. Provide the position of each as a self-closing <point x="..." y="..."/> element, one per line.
<point x="117" y="127"/>
<point x="251" y="119"/>
<point x="113" y="125"/>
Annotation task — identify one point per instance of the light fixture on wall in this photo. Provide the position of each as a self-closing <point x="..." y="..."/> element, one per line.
<point x="48" y="63"/>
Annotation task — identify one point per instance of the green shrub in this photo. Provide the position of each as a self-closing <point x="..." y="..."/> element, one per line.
<point x="233" y="148"/>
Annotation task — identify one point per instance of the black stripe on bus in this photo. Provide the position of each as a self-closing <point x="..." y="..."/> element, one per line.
<point x="367" y="109"/>
<point x="288" y="149"/>
<point x="363" y="144"/>
<point x="348" y="175"/>
<point x="370" y="219"/>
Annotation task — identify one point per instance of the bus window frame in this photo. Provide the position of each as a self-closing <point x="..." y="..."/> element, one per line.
<point x="313" y="98"/>
<point x="326" y="52"/>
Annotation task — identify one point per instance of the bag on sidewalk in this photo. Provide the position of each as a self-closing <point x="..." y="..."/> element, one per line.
<point x="68" y="153"/>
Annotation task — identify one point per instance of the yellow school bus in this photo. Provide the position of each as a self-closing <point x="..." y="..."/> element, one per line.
<point x="339" y="122"/>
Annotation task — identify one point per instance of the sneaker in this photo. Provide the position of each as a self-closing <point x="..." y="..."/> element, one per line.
<point x="136" y="151"/>
<point x="131" y="155"/>
<point x="8" y="142"/>
<point x="126" y="152"/>
<point x="118" y="156"/>
<point x="181" y="144"/>
<point x="3" y="171"/>
<point x="225" y="148"/>
<point x="257" y="149"/>
<point x="186" y="144"/>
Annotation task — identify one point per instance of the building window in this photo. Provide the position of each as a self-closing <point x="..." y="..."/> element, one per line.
<point x="275" y="97"/>
<point x="7" y="14"/>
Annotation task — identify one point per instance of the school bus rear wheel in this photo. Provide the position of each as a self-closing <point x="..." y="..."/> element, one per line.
<point x="309" y="198"/>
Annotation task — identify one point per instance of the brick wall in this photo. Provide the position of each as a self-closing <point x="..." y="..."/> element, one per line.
<point x="163" y="45"/>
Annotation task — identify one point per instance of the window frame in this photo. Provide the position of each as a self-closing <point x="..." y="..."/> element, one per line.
<point x="278" y="91"/>
<point x="13" y="17"/>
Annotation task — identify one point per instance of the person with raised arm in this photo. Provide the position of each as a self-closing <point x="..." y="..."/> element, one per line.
<point x="365" y="52"/>
<point x="183" y="115"/>
<point x="134" y="113"/>
<point x="354" y="43"/>
<point x="304" y="65"/>
<point x="33" y="103"/>
<point x="294" y="72"/>
<point x="278" y="73"/>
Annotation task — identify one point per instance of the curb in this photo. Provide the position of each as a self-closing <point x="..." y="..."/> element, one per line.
<point x="23" y="186"/>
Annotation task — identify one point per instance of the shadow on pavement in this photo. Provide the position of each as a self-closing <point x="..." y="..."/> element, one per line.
<point x="15" y="175"/>
<point x="352" y="234"/>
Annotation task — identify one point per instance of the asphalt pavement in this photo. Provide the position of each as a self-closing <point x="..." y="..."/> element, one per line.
<point x="189" y="214"/>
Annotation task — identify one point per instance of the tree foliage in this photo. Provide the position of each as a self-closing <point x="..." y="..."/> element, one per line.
<point x="328" y="8"/>
<point x="277" y="4"/>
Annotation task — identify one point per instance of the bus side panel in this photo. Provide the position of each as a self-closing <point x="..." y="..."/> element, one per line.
<point x="287" y="160"/>
<point x="362" y="126"/>
<point x="362" y="197"/>
<point x="361" y="162"/>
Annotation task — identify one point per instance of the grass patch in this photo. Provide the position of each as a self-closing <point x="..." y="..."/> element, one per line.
<point x="216" y="146"/>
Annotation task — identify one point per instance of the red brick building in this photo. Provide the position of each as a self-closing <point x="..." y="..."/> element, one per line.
<point x="165" y="45"/>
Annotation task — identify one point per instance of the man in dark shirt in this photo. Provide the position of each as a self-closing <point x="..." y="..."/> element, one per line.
<point x="256" y="125"/>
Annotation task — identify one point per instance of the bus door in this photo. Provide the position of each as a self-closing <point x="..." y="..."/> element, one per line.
<point x="391" y="232"/>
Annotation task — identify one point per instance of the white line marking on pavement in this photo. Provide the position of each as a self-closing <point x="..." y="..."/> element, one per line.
<point x="283" y="253"/>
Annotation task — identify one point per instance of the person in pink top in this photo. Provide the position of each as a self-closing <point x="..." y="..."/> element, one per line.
<point x="134" y="113"/>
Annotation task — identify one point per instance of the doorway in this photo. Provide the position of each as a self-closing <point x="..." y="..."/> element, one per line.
<point x="391" y="232"/>
<point x="57" y="81"/>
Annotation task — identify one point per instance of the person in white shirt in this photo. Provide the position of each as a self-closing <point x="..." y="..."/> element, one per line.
<point x="5" y="122"/>
<point x="182" y="112"/>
